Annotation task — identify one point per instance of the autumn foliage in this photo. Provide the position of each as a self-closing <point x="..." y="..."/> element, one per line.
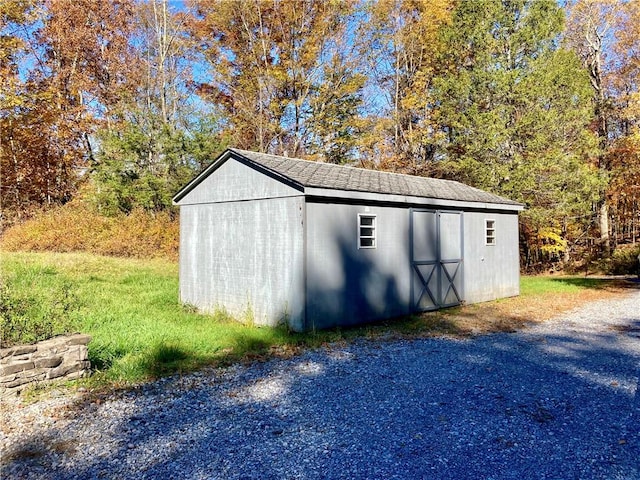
<point x="112" y="105"/>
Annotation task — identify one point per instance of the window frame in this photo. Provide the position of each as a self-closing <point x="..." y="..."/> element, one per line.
<point x="490" y="238"/>
<point x="373" y="227"/>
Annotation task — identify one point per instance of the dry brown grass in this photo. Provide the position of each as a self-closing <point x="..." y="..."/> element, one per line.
<point x="511" y="314"/>
<point x="78" y="228"/>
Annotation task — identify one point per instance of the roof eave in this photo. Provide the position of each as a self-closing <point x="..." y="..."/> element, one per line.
<point x="408" y="199"/>
<point x="324" y="192"/>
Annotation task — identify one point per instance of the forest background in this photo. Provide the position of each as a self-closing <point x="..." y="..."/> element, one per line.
<point x="108" y="107"/>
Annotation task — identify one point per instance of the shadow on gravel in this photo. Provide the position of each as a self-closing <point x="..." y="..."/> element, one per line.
<point x="563" y="404"/>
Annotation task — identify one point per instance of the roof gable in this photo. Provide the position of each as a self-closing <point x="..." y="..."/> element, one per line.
<point x="229" y="179"/>
<point x="303" y="175"/>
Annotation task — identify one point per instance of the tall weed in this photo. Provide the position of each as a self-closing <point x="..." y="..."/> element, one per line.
<point x="77" y="227"/>
<point x="35" y="312"/>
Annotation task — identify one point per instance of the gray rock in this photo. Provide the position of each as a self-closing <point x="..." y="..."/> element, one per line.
<point x="16" y="367"/>
<point x="17" y="350"/>
<point x="63" y="370"/>
<point x="48" y="362"/>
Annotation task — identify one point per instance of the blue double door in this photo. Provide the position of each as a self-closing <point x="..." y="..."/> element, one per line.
<point x="436" y="259"/>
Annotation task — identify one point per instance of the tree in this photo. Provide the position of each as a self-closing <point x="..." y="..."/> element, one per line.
<point x="515" y="110"/>
<point x="606" y="36"/>
<point x="623" y="82"/>
<point x="268" y="65"/>
<point x="402" y="40"/>
<point x="64" y="64"/>
<point x="14" y="16"/>
<point x="624" y="189"/>
<point x="157" y="139"/>
<point x="589" y="32"/>
<point x="333" y="124"/>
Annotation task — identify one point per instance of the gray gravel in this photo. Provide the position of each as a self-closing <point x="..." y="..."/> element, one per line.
<point x="559" y="400"/>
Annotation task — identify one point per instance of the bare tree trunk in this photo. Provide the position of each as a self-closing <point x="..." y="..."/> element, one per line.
<point x="593" y="38"/>
<point x="603" y="220"/>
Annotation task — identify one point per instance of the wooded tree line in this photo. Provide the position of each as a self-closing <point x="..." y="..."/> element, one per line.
<point x="120" y="102"/>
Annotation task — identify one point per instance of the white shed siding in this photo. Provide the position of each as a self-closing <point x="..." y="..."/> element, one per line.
<point x="490" y="271"/>
<point x="347" y="285"/>
<point x="245" y="257"/>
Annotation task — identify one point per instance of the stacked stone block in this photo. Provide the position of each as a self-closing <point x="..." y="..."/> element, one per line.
<point x="64" y="357"/>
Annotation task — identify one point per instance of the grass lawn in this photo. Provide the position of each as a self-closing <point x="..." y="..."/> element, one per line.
<point x="131" y="309"/>
<point x="140" y="331"/>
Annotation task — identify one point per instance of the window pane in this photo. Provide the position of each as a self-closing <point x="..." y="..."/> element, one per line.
<point x="367" y="242"/>
<point x="366" y="231"/>
<point x="490" y="232"/>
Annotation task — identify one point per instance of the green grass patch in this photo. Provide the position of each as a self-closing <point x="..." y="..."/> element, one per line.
<point x="35" y="305"/>
<point x="130" y="308"/>
<point x="548" y="285"/>
<point x="541" y="285"/>
<point x="140" y="330"/>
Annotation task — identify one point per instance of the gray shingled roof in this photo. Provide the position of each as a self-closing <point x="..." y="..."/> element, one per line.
<point x="339" y="177"/>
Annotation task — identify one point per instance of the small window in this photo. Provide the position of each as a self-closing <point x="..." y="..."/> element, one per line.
<point x="490" y="232"/>
<point x="366" y="231"/>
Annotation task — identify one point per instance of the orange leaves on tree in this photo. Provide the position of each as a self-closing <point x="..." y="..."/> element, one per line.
<point x="62" y="65"/>
<point x="408" y="33"/>
<point x="267" y="62"/>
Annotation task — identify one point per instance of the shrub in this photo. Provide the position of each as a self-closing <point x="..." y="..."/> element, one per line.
<point x="59" y="229"/>
<point x="623" y="261"/>
<point x="77" y="227"/>
<point x="36" y="313"/>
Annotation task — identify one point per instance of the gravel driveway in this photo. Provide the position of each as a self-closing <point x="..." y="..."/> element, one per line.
<point x="559" y="400"/>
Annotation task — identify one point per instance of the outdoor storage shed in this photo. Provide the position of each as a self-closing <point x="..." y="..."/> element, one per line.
<point x="316" y="245"/>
